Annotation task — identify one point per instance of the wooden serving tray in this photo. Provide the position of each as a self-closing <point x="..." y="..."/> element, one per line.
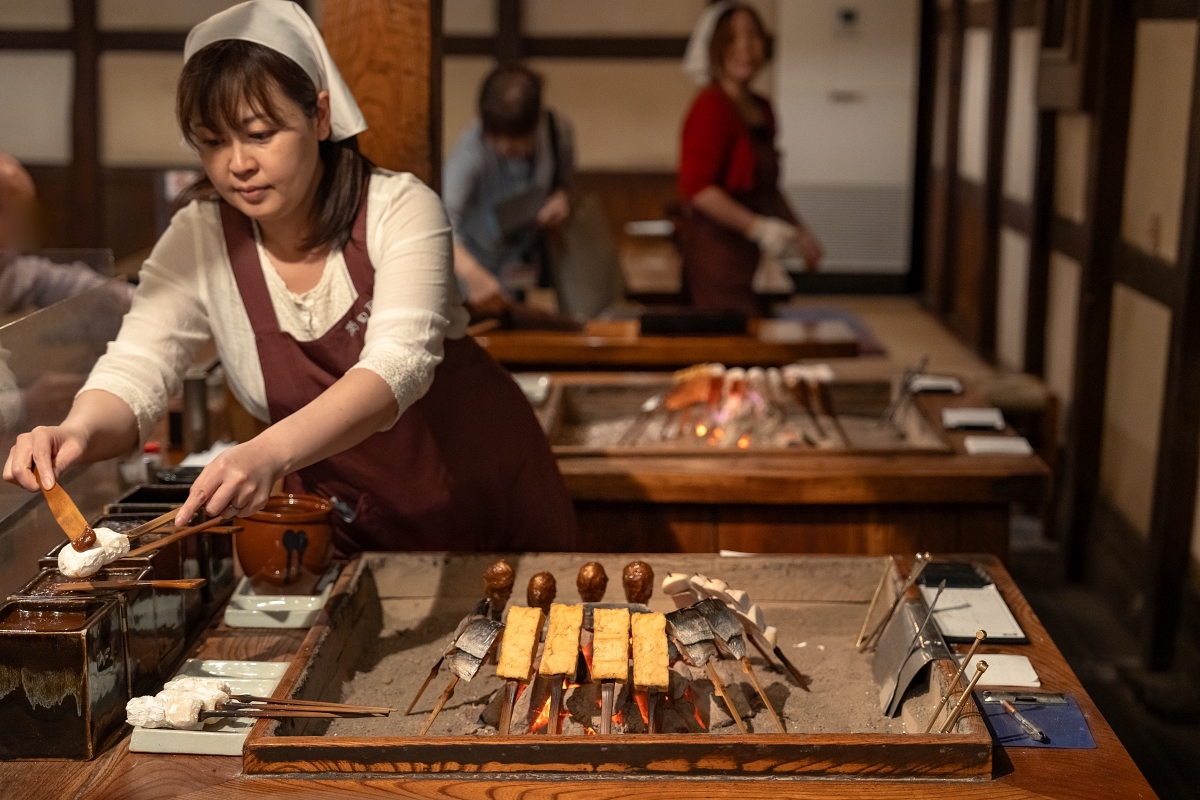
<point x="377" y="585"/>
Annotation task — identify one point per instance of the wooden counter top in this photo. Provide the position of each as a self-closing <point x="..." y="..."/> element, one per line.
<point x="617" y="345"/>
<point x="1105" y="772"/>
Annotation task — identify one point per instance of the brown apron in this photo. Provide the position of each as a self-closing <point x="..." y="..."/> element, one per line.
<point x="466" y="467"/>
<point x="718" y="262"/>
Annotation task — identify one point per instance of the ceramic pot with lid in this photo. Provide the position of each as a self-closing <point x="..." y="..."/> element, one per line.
<point x="290" y="536"/>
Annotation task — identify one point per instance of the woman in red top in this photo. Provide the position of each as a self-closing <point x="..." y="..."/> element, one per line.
<point x="732" y="211"/>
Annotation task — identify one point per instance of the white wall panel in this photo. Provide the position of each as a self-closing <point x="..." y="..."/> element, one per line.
<point x="469" y="17"/>
<point x="623" y="17"/>
<point x="46" y="15"/>
<point x="1158" y="133"/>
<point x="461" y="79"/>
<point x="137" y="110"/>
<point x="1020" y="135"/>
<point x="973" y="109"/>
<point x="846" y="102"/>
<point x="1072" y="145"/>
<point x="1011" y="299"/>
<point x="1137" y="368"/>
<point x="35" y="106"/>
<point x="1062" y="320"/>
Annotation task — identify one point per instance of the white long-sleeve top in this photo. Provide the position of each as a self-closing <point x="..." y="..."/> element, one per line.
<point x="187" y="293"/>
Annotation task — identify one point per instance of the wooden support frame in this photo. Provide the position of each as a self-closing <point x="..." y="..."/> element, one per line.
<point x="1112" y="37"/>
<point x="923" y="159"/>
<point x="1173" y="514"/>
<point x="85" y="127"/>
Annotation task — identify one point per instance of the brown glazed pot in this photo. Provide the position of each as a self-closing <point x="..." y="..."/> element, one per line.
<point x="291" y="531"/>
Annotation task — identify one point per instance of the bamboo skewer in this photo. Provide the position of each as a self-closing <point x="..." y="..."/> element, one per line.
<point x="510" y="701"/>
<point x="608" y="690"/>
<point x="278" y="714"/>
<point x="887" y="570"/>
<point x="980" y="668"/>
<point x="67" y="515"/>
<point x="181" y="533"/>
<point x="979" y="637"/>
<point x="93" y="586"/>
<point x="721" y="690"/>
<point x="441" y="703"/>
<point x="152" y="525"/>
<point x="758" y="687"/>
<point x="313" y="704"/>
<point x="918" y="567"/>
<point x="428" y="679"/>
<point x="556" y="698"/>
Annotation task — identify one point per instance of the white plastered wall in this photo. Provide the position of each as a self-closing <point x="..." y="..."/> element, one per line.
<point x="35" y="106"/>
<point x="1158" y="133"/>
<point x="137" y="111"/>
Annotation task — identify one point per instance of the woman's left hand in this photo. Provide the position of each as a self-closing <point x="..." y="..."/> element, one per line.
<point x="555" y="210"/>
<point x="236" y="484"/>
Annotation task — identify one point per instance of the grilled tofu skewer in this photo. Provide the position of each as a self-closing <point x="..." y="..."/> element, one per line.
<point x="610" y="657"/>
<point x="559" y="655"/>
<point x="651" y="663"/>
<point x="522" y="633"/>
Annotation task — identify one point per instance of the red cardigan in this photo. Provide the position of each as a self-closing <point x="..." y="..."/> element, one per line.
<point x="716" y="148"/>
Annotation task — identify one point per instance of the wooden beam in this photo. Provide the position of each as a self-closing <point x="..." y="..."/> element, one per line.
<point x="1016" y="215"/>
<point x="169" y="41"/>
<point x="36" y="40"/>
<point x="1173" y="515"/>
<point x="923" y="160"/>
<point x="1112" y="29"/>
<point x="1042" y="218"/>
<point x="85" y="128"/>
<point x="993" y="190"/>
<point x="953" y="19"/>
<point x="1069" y="238"/>
<point x="508" y="31"/>
<point x="469" y="45"/>
<point x="1166" y="9"/>
<point x="1154" y="277"/>
<point x="389" y="53"/>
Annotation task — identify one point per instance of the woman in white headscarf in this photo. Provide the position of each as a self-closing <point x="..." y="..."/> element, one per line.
<point x="732" y="211"/>
<point x="328" y="287"/>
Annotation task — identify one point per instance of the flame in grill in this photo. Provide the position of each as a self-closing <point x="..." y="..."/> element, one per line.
<point x="691" y="696"/>
<point x="542" y="719"/>
<point x="743" y="441"/>
<point x="701" y="429"/>
<point x="718" y="434"/>
<point x="643" y="704"/>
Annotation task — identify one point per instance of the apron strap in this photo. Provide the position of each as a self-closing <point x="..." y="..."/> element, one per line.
<point x="247" y="269"/>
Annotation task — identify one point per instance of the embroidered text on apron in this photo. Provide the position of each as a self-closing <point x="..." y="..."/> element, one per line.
<point x="466" y="467"/>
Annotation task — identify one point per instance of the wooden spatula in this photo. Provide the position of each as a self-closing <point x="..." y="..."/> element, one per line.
<point x="68" y="516"/>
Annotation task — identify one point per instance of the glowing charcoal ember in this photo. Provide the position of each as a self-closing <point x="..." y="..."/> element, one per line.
<point x="610" y="647"/>
<point x="562" y="640"/>
<point x="109" y="546"/>
<point x="519" y="646"/>
<point x="651" y="665"/>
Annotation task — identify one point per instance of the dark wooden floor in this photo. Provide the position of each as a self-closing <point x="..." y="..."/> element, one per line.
<point x="1157" y="717"/>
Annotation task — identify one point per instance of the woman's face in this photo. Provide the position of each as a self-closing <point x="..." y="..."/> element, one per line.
<point x="746" y="52"/>
<point x="267" y="171"/>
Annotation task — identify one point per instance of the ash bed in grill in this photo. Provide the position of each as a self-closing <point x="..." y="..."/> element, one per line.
<point x="393" y="615"/>
<point x="608" y="419"/>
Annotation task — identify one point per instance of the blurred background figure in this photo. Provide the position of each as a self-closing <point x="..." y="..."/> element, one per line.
<point x="507" y="186"/>
<point x="32" y="281"/>
<point x="733" y="221"/>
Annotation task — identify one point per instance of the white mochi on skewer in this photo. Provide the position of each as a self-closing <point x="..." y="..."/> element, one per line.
<point x="740" y="599"/>
<point x="109" y="546"/>
<point x="676" y="583"/>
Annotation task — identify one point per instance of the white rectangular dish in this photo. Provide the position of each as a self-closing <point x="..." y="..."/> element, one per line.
<point x="246" y="609"/>
<point x="218" y="737"/>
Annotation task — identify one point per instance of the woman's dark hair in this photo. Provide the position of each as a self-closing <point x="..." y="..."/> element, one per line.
<point x="510" y="101"/>
<point x="219" y="78"/>
<point x="723" y="36"/>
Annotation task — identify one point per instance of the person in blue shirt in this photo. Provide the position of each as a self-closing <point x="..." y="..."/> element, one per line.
<point x="506" y="184"/>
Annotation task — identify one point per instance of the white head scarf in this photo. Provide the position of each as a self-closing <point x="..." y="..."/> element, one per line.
<point x="695" y="58"/>
<point x="284" y="27"/>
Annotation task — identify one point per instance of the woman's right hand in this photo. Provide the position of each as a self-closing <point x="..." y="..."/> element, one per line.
<point x="774" y="236"/>
<point x="52" y="448"/>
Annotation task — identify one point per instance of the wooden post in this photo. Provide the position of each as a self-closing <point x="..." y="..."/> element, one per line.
<point x="85" y="128"/>
<point x="993" y="182"/>
<point x="390" y="53"/>
<point x="1113" y="38"/>
<point x="1172" y="517"/>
